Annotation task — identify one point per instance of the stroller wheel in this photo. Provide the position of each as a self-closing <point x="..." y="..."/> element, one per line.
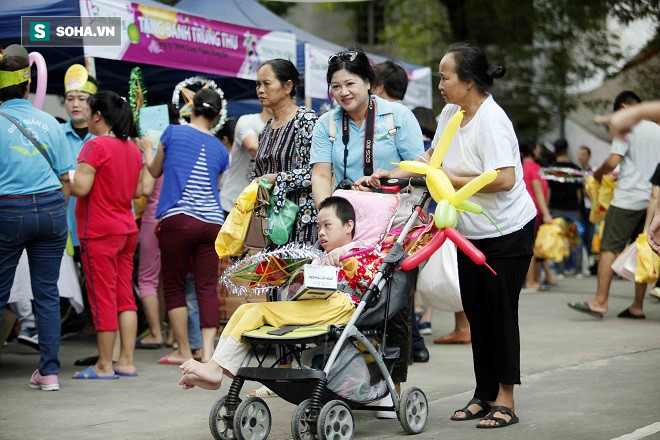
<point x="413" y="410"/>
<point x="252" y="420"/>
<point x="220" y="427"/>
<point x="302" y="427"/>
<point x="335" y="421"/>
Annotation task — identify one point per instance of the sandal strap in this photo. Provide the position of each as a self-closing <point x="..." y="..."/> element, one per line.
<point x="502" y="409"/>
<point x="481" y="403"/>
<point x="468" y="413"/>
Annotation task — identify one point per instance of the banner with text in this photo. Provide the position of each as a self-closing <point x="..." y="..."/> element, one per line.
<point x="162" y="37"/>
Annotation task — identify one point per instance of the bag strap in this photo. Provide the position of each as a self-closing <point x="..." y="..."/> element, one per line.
<point x="332" y="127"/>
<point x="32" y="139"/>
<point x="391" y="127"/>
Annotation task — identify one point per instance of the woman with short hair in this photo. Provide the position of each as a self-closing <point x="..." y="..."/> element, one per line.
<point x="284" y="145"/>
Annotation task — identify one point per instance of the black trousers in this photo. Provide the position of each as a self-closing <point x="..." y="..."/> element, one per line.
<point x="491" y="305"/>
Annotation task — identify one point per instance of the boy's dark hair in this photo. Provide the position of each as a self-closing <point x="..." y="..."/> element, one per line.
<point x="527" y="147"/>
<point x="393" y="78"/>
<point x="426" y="119"/>
<point x="561" y="147"/>
<point x="228" y="129"/>
<point x="343" y="209"/>
<point x="625" y="97"/>
<point x="12" y="64"/>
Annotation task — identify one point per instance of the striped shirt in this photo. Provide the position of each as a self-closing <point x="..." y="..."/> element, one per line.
<point x="197" y="199"/>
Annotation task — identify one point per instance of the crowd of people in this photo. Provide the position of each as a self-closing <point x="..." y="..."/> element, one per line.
<point x="80" y="179"/>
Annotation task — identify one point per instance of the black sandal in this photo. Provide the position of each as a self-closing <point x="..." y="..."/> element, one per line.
<point x="468" y="414"/>
<point x="501" y="423"/>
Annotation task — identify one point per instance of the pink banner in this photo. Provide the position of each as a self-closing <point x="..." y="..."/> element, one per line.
<point x="168" y="38"/>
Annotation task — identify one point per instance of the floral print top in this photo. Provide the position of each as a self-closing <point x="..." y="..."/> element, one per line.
<point x="285" y="151"/>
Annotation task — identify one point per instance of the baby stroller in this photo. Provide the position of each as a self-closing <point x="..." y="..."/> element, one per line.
<point x="342" y="367"/>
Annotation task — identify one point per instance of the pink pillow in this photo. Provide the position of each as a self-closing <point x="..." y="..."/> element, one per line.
<point x="374" y="214"/>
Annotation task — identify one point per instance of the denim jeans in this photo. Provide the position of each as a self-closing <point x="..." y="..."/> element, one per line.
<point x="194" y="328"/>
<point x="37" y="224"/>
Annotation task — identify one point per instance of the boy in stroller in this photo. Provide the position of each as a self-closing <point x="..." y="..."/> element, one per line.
<point x="336" y="229"/>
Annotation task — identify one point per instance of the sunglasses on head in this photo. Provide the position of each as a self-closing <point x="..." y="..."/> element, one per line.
<point x="346" y="56"/>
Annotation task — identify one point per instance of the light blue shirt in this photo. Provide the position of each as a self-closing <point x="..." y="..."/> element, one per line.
<point x="407" y="144"/>
<point x="74" y="144"/>
<point x="23" y="169"/>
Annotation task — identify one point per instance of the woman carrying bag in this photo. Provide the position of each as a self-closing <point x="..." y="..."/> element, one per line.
<point x="283" y="156"/>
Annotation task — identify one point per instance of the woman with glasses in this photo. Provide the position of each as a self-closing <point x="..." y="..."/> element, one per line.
<point x="486" y="141"/>
<point x="364" y="134"/>
<point x="284" y="143"/>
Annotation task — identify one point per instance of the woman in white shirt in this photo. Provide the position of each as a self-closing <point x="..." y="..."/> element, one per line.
<point x="485" y="141"/>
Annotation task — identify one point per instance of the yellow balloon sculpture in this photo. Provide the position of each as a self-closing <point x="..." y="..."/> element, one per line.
<point x="437" y="181"/>
<point x="449" y="200"/>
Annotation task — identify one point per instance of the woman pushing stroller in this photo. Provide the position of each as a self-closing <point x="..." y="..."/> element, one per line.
<point x="336" y="228"/>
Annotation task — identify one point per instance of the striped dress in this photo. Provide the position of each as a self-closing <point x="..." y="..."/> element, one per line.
<point x="285" y="151"/>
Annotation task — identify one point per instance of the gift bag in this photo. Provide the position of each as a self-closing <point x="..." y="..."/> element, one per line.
<point x="437" y="283"/>
<point x="550" y="242"/>
<point x="648" y="262"/>
<point x="281" y="223"/>
<point x="231" y="237"/>
<point x="626" y="263"/>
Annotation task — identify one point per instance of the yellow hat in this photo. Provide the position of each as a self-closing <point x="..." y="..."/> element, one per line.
<point x="76" y="78"/>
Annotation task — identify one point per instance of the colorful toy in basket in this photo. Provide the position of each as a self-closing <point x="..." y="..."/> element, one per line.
<point x="449" y="200"/>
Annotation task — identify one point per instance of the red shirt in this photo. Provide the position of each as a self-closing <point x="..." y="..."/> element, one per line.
<point x="107" y="209"/>
<point x="531" y="173"/>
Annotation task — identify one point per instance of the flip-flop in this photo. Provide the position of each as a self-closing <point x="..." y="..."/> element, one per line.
<point x="468" y="414"/>
<point x="147" y="346"/>
<point x="584" y="308"/>
<point x="86" y="361"/>
<point x="501" y="423"/>
<point x="628" y="315"/>
<point x="119" y="373"/>
<point x="165" y="360"/>
<point x="89" y="373"/>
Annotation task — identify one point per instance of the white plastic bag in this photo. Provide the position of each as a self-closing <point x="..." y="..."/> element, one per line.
<point x="626" y="263"/>
<point x="437" y="283"/>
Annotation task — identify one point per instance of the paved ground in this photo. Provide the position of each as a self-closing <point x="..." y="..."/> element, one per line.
<point x="582" y="379"/>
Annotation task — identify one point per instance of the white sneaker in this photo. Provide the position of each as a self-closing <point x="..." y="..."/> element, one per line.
<point x="655" y="292"/>
<point x="386" y="401"/>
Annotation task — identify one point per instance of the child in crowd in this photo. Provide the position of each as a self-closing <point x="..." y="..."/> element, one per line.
<point x="336" y="228"/>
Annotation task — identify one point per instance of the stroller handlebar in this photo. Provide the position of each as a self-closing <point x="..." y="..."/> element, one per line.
<point x="395" y="184"/>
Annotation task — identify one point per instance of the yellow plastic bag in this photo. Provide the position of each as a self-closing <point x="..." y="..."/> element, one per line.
<point x="606" y="191"/>
<point x="600" y="195"/>
<point x="648" y="262"/>
<point x="595" y="241"/>
<point x="232" y="234"/>
<point x="550" y="242"/>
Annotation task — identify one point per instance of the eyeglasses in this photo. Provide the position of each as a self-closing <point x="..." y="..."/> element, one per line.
<point x="346" y="56"/>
